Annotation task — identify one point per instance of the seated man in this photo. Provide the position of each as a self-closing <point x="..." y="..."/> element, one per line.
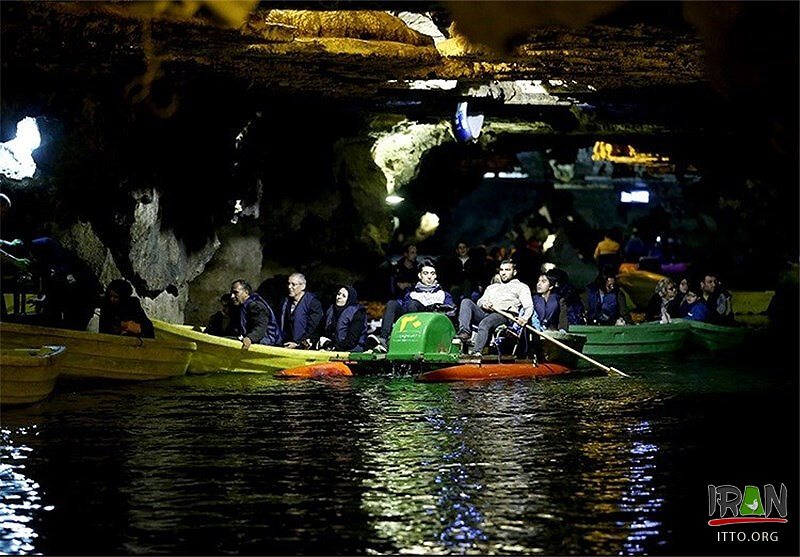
<point x="549" y="309"/>
<point x="221" y="324"/>
<point x="122" y="314"/>
<point x="718" y="300"/>
<point x="257" y="323"/>
<point x="301" y="314"/>
<point x="426" y="295"/>
<point x="509" y="295"/>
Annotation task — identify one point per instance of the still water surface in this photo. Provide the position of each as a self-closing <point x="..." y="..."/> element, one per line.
<point x="248" y="464"/>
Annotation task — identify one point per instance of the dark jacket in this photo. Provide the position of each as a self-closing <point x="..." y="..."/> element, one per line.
<point x="127" y="309"/>
<point x="303" y="323"/>
<point x="257" y="321"/>
<point x="603" y="311"/>
<point x="552" y="314"/>
<point x="347" y="326"/>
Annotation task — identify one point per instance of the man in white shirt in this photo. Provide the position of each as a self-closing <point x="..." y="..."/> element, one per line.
<point x="509" y="295"/>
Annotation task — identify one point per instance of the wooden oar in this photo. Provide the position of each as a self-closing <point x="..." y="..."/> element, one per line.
<point x="605" y="368"/>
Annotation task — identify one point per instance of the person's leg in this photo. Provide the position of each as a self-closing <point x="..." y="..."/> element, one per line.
<point x="468" y="313"/>
<point x="485" y="327"/>
<point x="394" y="310"/>
<point x="413" y="306"/>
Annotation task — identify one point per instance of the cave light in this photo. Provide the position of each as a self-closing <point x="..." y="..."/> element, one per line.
<point x="548" y="266"/>
<point x="16" y="161"/>
<point x="513" y="175"/>
<point x="627" y="154"/>
<point x="466" y="127"/>
<point x="394" y="199"/>
<point x="428" y="84"/>
<point x="428" y="223"/>
<point x="489" y="175"/>
<point x="549" y="242"/>
<point x="636" y="196"/>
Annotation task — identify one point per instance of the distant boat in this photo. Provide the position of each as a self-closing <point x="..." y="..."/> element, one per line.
<point x="220" y="354"/>
<point x="28" y="375"/>
<point x="718" y="337"/>
<point x="643" y="338"/>
<point x="105" y="356"/>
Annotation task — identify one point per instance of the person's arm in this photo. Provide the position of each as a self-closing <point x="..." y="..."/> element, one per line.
<point x="314" y="318"/>
<point x="525" y="298"/>
<point x="257" y="322"/>
<point x="354" y="330"/>
<point x="136" y="322"/>
<point x="563" y="321"/>
<point x="19" y="262"/>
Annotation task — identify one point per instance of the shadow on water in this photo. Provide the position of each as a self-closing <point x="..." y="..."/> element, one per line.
<point x="249" y="464"/>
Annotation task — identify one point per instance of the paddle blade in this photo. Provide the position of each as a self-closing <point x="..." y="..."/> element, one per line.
<point x="322" y="369"/>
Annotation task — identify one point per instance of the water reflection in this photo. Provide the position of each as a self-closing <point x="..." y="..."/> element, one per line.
<point x="19" y="494"/>
<point x="246" y="464"/>
<point x="641" y="499"/>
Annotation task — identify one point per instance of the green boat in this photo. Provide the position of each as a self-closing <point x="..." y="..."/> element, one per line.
<point x="426" y="340"/>
<point x="644" y="338"/>
<point x="718" y="337"/>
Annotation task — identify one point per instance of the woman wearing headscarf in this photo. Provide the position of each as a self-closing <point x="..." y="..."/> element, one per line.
<point x="346" y="322"/>
<point x="122" y="314"/>
<point x="605" y="304"/>
<point x="664" y="304"/>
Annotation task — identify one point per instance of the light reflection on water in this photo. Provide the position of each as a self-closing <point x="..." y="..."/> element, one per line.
<point x="19" y="495"/>
<point x="249" y="464"/>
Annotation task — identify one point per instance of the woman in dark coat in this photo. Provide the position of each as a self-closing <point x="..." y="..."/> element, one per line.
<point x="346" y="322"/>
<point x="122" y="314"/>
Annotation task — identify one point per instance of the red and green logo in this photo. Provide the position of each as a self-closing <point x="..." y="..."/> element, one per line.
<point x="736" y="507"/>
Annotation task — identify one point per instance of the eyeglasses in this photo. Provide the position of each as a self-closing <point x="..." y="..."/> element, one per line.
<point x="671" y="287"/>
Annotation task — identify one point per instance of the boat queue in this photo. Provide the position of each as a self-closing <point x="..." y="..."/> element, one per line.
<point x="424" y="343"/>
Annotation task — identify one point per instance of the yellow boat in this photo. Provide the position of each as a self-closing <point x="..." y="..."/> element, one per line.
<point x="104" y="356"/>
<point x="639" y="285"/>
<point x="220" y="354"/>
<point x="28" y="375"/>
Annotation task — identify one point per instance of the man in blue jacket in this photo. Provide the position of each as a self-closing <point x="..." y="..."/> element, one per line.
<point x="426" y="295"/>
<point x="301" y="314"/>
<point x="257" y="323"/>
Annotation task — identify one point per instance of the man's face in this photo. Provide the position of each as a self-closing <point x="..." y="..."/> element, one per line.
<point x="295" y="287"/>
<point x="709" y="284"/>
<point x="427" y="276"/>
<point x="238" y="294"/>
<point x="506" y="272"/>
<point x="113" y="297"/>
<point x="341" y="297"/>
<point x="543" y="285"/>
<point x="411" y="253"/>
<point x="462" y="249"/>
<point x="610" y="283"/>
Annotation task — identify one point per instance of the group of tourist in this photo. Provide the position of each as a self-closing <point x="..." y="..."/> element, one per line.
<point x="300" y="323"/>
<point x="706" y="300"/>
<point x="477" y="303"/>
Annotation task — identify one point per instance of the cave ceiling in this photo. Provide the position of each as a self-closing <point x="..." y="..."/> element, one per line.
<point x="584" y="68"/>
<point x="364" y="57"/>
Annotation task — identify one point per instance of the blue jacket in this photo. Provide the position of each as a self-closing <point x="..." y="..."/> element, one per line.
<point x="352" y="317"/>
<point x="549" y="313"/>
<point x="696" y="311"/>
<point x="301" y="325"/>
<point x="601" y="312"/>
<point x="257" y="321"/>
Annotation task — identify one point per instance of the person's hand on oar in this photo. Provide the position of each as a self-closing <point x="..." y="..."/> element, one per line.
<point x="605" y="368"/>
